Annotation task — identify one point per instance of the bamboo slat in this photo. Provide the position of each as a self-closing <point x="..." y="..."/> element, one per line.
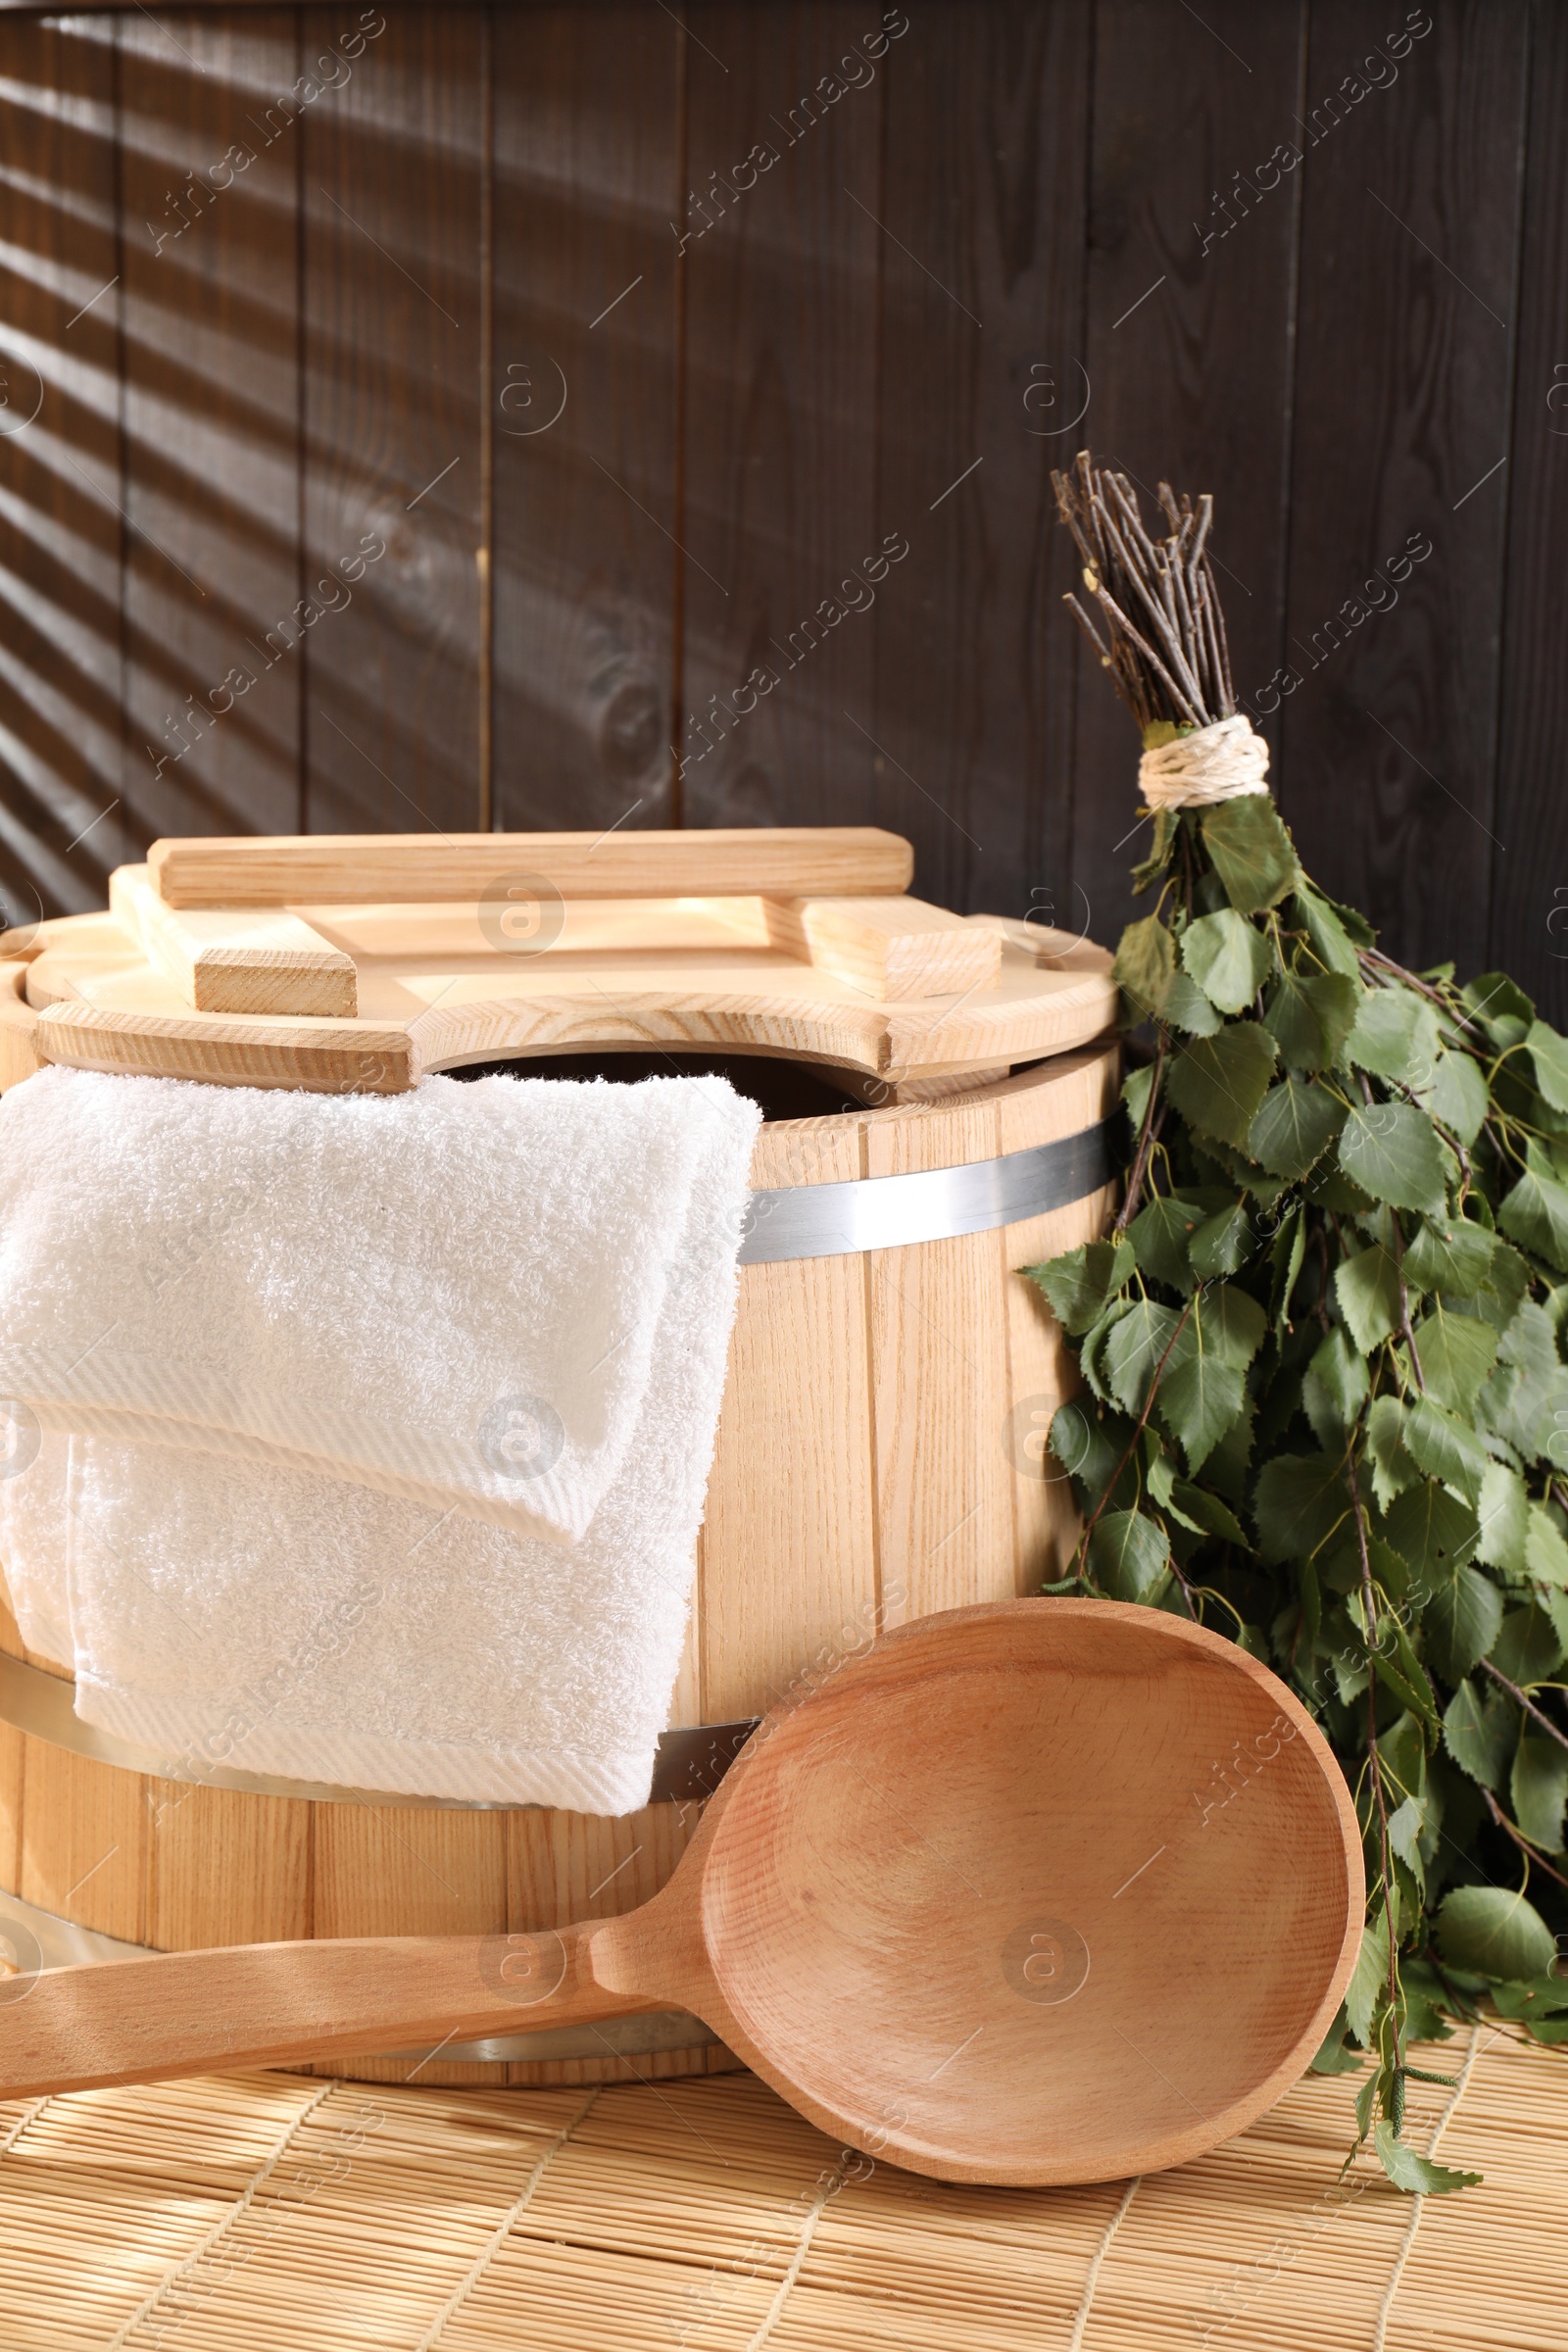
<point x="242" y="2214"/>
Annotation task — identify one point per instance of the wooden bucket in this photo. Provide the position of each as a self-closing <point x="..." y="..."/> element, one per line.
<point x="880" y="1450"/>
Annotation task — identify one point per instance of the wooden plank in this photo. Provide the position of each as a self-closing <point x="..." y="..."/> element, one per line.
<point x="686" y="1699"/>
<point x="938" y="1315"/>
<point x="84" y="1839"/>
<point x="790" y="1555"/>
<point x="657" y="2065"/>
<point x="210" y="287"/>
<point x="383" y="1871"/>
<point x="60" y="534"/>
<point x="236" y="961"/>
<point x="103" y="1006"/>
<point x="79" y="951"/>
<point x="226" y="1868"/>
<point x="1188" y="349"/>
<point x="888" y="947"/>
<point x="793" y="861"/>
<point x="587" y="169"/>
<point x="779" y="455"/>
<point x="88" y="7"/>
<point x="985" y="1028"/>
<point x="228" y="1050"/>
<point x="772" y="1003"/>
<point x="982" y="264"/>
<point x="393" y="331"/>
<point x="1052" y="950"/>
<point x="780" y="1005"/>
<point x="1529" y="915"/>
<point x="573" y="1866"/>
<point x="934" y="1090"/>
<point x="446" y="936"/>
<point x="811" y="1017"/>
<point x="1041" y="1372"/>
<point x="1410" y="229"/>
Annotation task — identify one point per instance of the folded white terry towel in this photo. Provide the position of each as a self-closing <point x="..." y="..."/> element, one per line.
<point x="391" y="1416"/>
<point x="32" y="1533"/>
<point x="450" y="1295"/>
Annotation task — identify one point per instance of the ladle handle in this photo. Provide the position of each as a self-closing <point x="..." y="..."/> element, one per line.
<point x="283" y="2004"/>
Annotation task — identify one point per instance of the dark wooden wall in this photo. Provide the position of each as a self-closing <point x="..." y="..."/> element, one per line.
<point x="447" y="309"/>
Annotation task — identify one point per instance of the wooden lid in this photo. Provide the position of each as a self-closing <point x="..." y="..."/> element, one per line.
<point x="354" y="964"/>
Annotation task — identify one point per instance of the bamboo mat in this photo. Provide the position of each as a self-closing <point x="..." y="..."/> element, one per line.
<point x="269" y="2211"/>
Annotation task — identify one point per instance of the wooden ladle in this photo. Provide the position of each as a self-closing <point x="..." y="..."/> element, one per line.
<point x="1051" y="1890"/>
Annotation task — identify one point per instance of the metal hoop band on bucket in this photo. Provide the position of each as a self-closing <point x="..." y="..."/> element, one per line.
<point x="933" y="1204"/>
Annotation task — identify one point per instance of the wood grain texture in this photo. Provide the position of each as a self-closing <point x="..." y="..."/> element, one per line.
<point x="587" y="183"/>
<point x="1529" y="916"/>
<point x="393" y="313"/>
<point x="391" y="867"/>
<point x="981" y="254"/>
<point x="220" y="2000"/>
<point x="210" y="289"/>
<point x="60" y="470"/>
<point x="1189" y="339"/>
<point x="578" y="1866"/>
<point x="85" y="1831"/>
<point x="686" y="1700"/>
<point x="563" y="1866"/>
<point x="226" y="1868"/>
<point x="105" y="1007"/>
<point x="779" y="455"/>
<point x="1188" y="349"/>
<point x="379" y="1871"/>
<point x="448" y="931"/>
<point x="233" y="959"/>
<point x="1409" y="224"/>
<point x="229" y="1050"/>
<point x="17" y="1022"/>
<point x="1041" y="1372"/>
<point x="939" y="1367"/>
<point x="789" y="1556"/>
<point x="888" y="947"/>
<point x="653" y="2066"/>
<point x="1017" y="207"/>
<point x="377" y="1866"/>
<point x="1054" y="951"/>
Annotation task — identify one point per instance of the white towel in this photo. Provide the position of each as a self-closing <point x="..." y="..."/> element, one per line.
<point x="32" y="1532"/>
<point x="450" y="1295"/>
<point x="391" y="1416"/>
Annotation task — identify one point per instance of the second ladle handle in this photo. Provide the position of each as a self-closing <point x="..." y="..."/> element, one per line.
<point x="283" y="2004"/>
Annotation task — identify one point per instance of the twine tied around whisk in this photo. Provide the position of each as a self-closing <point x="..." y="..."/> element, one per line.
<point x="1217" y="762"/>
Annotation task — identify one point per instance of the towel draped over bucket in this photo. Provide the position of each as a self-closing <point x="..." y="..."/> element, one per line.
<point x="363" y="1438"/>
